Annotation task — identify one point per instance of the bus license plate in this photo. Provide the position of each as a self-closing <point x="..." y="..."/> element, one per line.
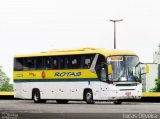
<point x="128" y="93"/>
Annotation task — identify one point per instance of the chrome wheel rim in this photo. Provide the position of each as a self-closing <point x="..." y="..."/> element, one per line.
<point x="36" y="96"/>
<point x="88" y="96"/>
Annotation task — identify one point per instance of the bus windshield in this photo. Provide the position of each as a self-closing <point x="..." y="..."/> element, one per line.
<point x="124" y="68"/>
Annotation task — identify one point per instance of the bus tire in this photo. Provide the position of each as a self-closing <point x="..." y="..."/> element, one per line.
<point x="37" y="97"/>
<point x="117" y="102"/>
<point x="62" y="101"/>
<point x="88" y="96"/>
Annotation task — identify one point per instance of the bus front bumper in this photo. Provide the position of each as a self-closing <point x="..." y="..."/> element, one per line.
<point x="116" y="95"/>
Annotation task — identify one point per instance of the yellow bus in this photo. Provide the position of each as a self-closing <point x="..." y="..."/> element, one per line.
<point x="88" y="74"/>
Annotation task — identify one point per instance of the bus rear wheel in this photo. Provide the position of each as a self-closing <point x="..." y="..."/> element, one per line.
<point x="88" y="96"/>
<point x="37" y="97"/>
<point x="62" y="101"/>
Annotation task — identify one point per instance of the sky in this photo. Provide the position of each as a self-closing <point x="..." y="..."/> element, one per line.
<point x="32" y="26"/>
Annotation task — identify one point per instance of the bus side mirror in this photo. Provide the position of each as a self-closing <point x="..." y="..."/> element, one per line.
<point x="110" y="70"/>
<point x="147" y="68"/>
<point x="144" y="69"/>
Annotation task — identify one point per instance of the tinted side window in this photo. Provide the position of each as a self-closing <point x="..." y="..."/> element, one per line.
<point x="29" y="63"/>
<point x="39" y="63"/>
<point x="75" y="62"/>
<point x="100" y="59"/>
<point x="68" y="62"/>
<point x="61" y="62"/>
<point x="87" y="60"/>
<point x="55" y="63"/>
<point x="18" y="64"/>
<point x="48" y="62"/>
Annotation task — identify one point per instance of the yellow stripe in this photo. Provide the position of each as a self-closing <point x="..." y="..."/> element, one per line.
<point x="6" y="93"/>
<point x="54" y="74"/>
<point x="104" y="52"/>
<point x="151" y="94"/>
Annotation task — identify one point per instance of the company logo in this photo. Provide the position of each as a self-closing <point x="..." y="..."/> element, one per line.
<point x="32" y="74"/>
<point x="43" y="75"/>
<point x="67" y="74"/>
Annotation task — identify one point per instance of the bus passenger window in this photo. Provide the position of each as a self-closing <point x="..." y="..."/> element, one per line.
<point x="67" y="62"/>
<point x="39" y="65"/>
<point x="29" y="63"/>
<point x="87" y="63"/>
<point x="47" y="63"/>
<point x="18" y="64"/>
<point x="87" y="60"/>
<point x="75" y="62"/>
<point x="55" y="63"/>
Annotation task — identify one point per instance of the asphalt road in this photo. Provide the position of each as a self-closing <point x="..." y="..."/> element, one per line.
<point x="17" y="109"/>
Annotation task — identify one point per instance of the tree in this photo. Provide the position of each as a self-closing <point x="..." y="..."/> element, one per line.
<point x="4" y="82"/>
<point x="6" y="87"/>
<point x="157" y="87"/>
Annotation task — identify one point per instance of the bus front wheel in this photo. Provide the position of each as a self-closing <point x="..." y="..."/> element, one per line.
<point x="37" y="97"/>
<point x="88" y="96"/>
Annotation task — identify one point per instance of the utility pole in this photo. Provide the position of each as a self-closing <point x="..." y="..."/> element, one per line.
<point x="114" y="21"/>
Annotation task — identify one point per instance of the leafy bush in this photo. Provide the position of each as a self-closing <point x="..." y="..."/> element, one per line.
<point x="6" y="87"/>
<point x="4" y="82"/>
<point x="157" y="87"/>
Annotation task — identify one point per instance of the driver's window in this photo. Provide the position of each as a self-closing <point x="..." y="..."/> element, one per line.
<point x="99" y="66"/>
<point x="103" y="74"/>
<point x="101" y="59"/>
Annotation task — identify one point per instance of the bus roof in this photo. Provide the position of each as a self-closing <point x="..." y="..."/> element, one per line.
<point x="106" y="53"/>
